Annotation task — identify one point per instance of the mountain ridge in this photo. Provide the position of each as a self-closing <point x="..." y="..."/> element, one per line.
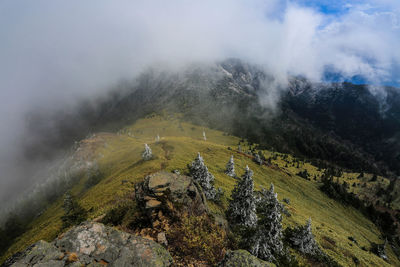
<point x="227" y="96"/>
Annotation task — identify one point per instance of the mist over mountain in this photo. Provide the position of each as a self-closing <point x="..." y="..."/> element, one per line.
<point x="55" y="64"/>
<point x="319" y="136"/>
<point x="344" y="123"/>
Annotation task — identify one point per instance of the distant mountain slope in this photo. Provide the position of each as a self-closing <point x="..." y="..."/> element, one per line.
<point x="352" y="113"/>
<point x="341" y="123"/>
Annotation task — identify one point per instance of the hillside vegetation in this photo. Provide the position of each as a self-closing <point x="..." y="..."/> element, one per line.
<point x="118" y="156"/>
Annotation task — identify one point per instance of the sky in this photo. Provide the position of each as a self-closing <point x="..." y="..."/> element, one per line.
<point x="338" y="7"/>
<point x="54" y="53"/>
<point x="384" y="14"/>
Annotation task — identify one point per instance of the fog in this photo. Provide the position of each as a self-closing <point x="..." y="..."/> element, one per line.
<point x="55" y="53"/>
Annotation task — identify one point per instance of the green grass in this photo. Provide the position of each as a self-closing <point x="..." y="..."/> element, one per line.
<point x="119" y="158"/>
<point x="364" y="188"/>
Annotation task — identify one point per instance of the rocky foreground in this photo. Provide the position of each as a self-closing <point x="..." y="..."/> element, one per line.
<point x="94" y="244"/>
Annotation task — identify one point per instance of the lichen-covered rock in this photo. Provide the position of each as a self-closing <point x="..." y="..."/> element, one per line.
<point x="172" y="193"/>
<point x="38" y="254"/>
<point x="242" y="258"/>
<point x="94" y="244"/>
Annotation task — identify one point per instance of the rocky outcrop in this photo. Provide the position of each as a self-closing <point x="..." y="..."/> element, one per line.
<point x="170" y="193"/>
<point x="164" y="198"/>
<point x="93" y="244"/>
<point x="242" y="258"/>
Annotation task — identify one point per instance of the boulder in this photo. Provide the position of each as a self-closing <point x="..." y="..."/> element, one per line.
<point x="40" y="253"/>
<point x="171" y="193"/>
<point x="93" y="244"/>
<point x="242" y="258"/>
<point x="162" y="239"/>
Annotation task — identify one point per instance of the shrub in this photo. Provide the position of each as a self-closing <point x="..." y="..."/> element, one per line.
<point x="115" y="215"/>
<point x="303" y="174"/>
<point x="198" y="238"/>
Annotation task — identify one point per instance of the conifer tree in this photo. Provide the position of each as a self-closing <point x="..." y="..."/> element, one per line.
<point x="380" y="249"/>
<point x="242" y="207"/>
<point x="266" y="243"/>
<point x="257" y="159"/>
<point x="147" y="154"/>
<point x="230" y="167"/>
<point x="68" y="203"/>
<point x="73" y="212"/>
<point x="302" y="238"/>
<point x="200" y="173"/>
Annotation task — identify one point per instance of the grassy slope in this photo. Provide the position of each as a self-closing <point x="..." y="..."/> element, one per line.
<point x="364" y="187"/>
<point x="119" y="157"/>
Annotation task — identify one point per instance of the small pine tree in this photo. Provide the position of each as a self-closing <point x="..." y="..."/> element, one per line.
<point x="257" y="159"/>
<point x="242" y="207"/>
<point x="200" y="173"/>
<point x="230" y="168"/>
<point x="68" y="204"/>
<point x="380" y="249"/>
<point x="302" y="239"/>
<point x="266" y="243"/>
<point x="73" y="212"/>
<point x="147" y="154"/>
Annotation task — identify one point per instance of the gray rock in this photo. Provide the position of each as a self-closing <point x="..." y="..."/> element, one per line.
<point x="37" y="254"/>
<point x="94" y="244"/>
<point x="176" y="194"/>
<point x="242" y="258"/>
<point x="162" y="239"/>
<point x="55" y="263"/>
